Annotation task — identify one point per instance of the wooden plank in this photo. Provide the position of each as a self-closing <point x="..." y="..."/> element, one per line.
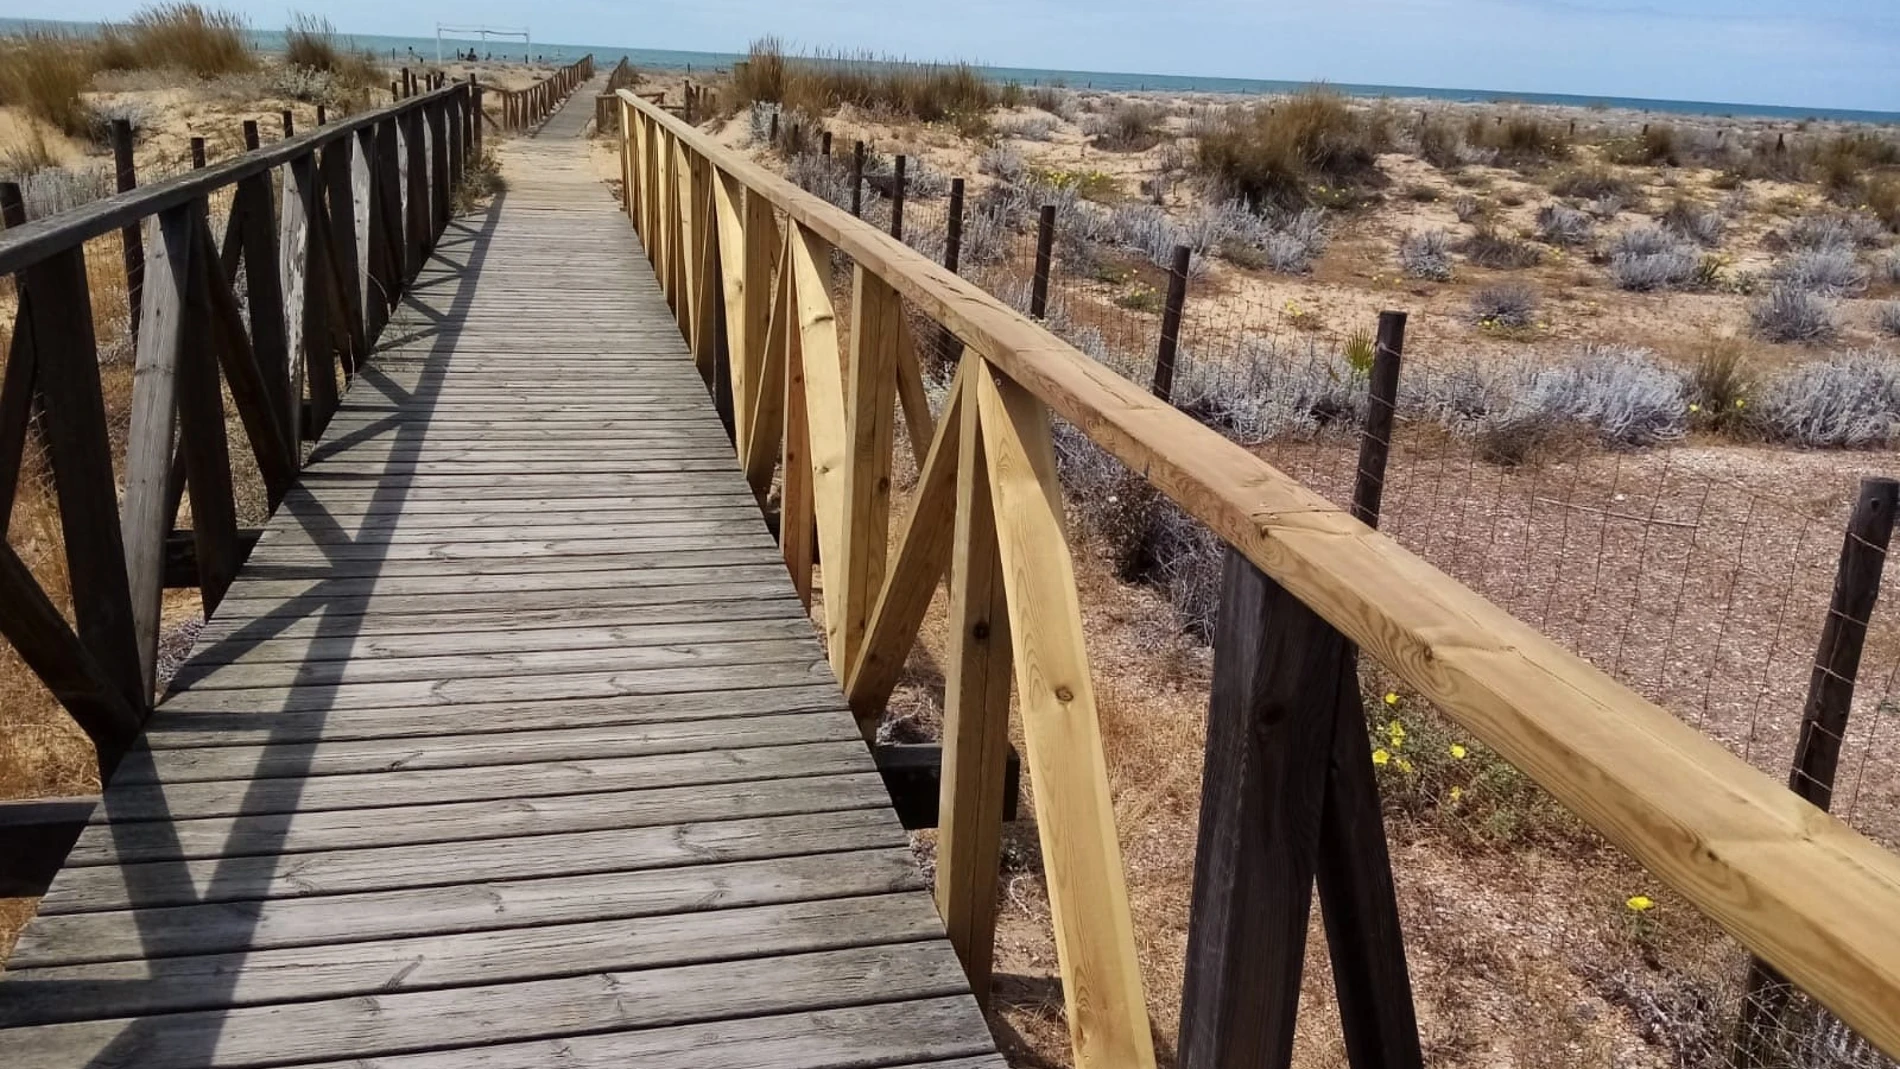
<point x="37" y="631"/>
<point x="976" y="705"/>
<point x="936" y="1032"/>
<point x="852" y="587"/>
<point x="251" y="389"/>
<point x="923" y="552"/>
<point x="148" y="450"/>
<point x="196" y="798"/>
<point x="798" y="520"/>
<point x="825" y="417"/>
<point x="172" y="883"/>
<point x="180" y="727"/>
<point x="433" y="962"/>
<point x="300" y="833"/>
<point x="211" y="928"/>
<point x="53" y="326"/>
<point x="763" y="441"/>
<point x="207" y="456"/>
<point x="918" y="423"/>
<point x="423" y="1020"/>
<point x="446" y="665"/>
<point x="323" y="758"/>
<point x="1108" y="1019"/>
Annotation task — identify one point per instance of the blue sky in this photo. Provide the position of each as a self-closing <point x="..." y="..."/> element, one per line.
<point x="1817" y="53"/>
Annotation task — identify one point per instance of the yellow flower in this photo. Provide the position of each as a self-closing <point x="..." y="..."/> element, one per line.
<point x="1458" y="751"/>
<point x="1397" y="731"/>
<point x="1739" y="403"/>
<point x="1391" y="698"/>
<point x="1457" y="793"/>
<point x="1640" y="904"/>
<point x="1380" y="757"/>
<point x="1695" y="407"/>
<point x="1404" y="765"/>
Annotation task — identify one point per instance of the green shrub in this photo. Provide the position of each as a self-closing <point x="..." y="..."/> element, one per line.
<point x="1592" y="183"/>
<point x="1438" y="145"/>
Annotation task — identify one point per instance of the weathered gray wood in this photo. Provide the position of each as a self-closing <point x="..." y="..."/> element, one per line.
<point x="88" y="890"/>
<point x="43" y="237"/>
<point x="430" y="962"/>
<point x="423" y="1020"/>
<point x="344" y="829"/>
<point x="183" y="801"/>
<point x="212" y="928"/>
<point x="33" y="626"/>
<point x="213" y="763"/>
<point x="201" y="426"/>
<point x="939" y="1033"/>
<point x="183" y="728"/>
<point x="54" y="325"/>
<point x="148" y="450"/>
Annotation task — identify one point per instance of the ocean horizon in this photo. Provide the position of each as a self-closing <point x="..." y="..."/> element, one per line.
<point x="424" y="49"/>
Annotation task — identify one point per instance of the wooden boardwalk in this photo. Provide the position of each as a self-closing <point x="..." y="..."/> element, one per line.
<point x="511" y="745"/>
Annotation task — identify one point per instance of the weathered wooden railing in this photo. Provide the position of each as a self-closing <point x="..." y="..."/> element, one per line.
<point x="363" y="201"/>
<point x="524" y="109"/>
<point x="607" y="104"/>
<point x="746" y="261"/>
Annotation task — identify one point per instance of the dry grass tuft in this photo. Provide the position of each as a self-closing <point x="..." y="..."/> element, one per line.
<point x="1298" y="151"/>
<point x="180" y="36"/>
<point x="821" y="82"/>
<point x="43" y="74"/>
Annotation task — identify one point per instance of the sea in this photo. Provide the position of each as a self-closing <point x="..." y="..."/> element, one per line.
<point x="424" y="48"/>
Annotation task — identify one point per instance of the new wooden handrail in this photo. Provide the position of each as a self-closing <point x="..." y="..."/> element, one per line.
<point x="1798" y="887"/>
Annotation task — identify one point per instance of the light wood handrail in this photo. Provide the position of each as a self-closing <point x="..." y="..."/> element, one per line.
<point x="1795" y="885"/>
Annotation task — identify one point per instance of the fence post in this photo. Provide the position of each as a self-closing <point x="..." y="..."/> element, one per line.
<point x="857" y="180"/>
<point x="1382" y="398"/>
<point x="897" y="199"/>
<point x="290" y="125"/>
<point x="475" y="117"/>
<point x="1163" y="385"/>
<point x="1045" y="248"/>
<point x="953" y="227"/>
<point x="131" y="239"/>
<point x="771" y="136"/>
<point x="1823" y="726"/>
<point x="1288" y="799"/>
<point x="197" y="153"/>
<point x="824" y="143"/>
<point x="395" y="92"/>
<point x="323" y="115"/>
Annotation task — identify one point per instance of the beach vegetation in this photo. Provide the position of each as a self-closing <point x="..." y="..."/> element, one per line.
<point x="819" y="83"/>
<point x="1311" y="148"/>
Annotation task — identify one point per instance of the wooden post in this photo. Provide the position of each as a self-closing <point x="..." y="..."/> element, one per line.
<point x="857" y="180"/>
<point x="824" y="144"/>
<point x="1045" y="249"/>
<point x="897" y="200"/>
<point x="408" y="87"/>
<point x="323" y="115"/>
<point x="131" y="239"/>
<point x="953" y="227"/>
<point x="290" y="126"/>
<point x="395" y="91"/>
<point x="1382" y="399"/>
<point x="251" y="139"/>
<point x="1823" y="726"/>
<point x="475" y="116"/>
<point x="197" y="153"/>
<point x="1289" y="797"/>
<point x="1163" y="385"/>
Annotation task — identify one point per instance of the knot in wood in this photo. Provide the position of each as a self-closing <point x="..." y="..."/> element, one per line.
<point x="1064" y="694"/>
